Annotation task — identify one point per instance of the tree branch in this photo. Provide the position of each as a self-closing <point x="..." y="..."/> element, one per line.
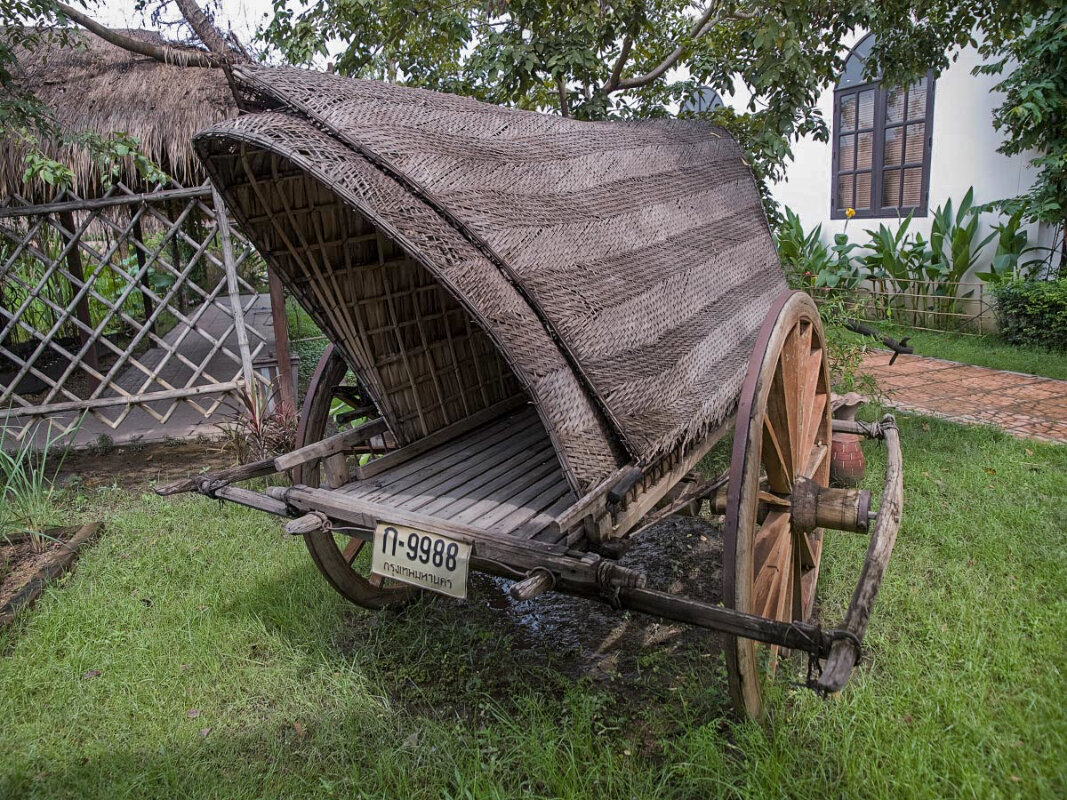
<point x="616" y="71"/>
<point x="206" y="31"/>
<point x="564" y="108"/>
<point x="178" y="56"/>
<point x="702" y="25"/>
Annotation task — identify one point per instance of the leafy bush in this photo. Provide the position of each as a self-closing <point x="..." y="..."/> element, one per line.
<point x="896" y="260"/>
<point x="917" y="278"/>
<point x="1033" y="312"/>
<point x="953" y="237"/>
<point x="954" y="250"/>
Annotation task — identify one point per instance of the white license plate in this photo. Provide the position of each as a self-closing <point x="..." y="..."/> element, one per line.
<point x="420" y="558"/>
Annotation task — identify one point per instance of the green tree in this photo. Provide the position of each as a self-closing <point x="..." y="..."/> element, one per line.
<point x="1033" y="116"/>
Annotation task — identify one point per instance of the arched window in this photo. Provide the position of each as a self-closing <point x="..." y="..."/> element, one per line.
<point x="881" y="150"/>
<point x="704" y="99"/>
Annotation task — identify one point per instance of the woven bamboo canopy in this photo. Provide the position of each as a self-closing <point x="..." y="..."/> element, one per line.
<point x="95" y="86"/>
<point x="460" y="253"/>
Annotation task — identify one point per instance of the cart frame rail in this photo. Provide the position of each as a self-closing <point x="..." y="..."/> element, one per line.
<point x="555" y="567"/>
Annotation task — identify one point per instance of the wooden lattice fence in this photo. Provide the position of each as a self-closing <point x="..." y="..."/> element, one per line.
<point x="128" y="303"/>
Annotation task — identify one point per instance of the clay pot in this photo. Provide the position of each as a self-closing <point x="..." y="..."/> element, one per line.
<point x="847" y="464"/>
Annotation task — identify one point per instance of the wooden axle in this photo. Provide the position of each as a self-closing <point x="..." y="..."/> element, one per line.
<point x="814" y="506"/>
<point x="811" y="506"/>
<point x="604" y="580"/>
<point x="539" y="582"/>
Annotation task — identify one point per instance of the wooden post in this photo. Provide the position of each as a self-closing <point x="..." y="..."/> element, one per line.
<point x="281" y="339"/>
<point x="234" y="288"/>
<point x="81" y="308"/>
<point x="146" y="297"/>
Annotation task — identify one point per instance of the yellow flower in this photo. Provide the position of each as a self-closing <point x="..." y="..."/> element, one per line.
<point x="850" y="213"/>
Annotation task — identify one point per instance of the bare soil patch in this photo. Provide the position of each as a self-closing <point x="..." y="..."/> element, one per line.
<point x="141" y="466"/>
<point x="26" y="558"/>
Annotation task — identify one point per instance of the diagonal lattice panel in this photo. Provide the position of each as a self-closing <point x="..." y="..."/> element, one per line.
<point x="129" y="309"/>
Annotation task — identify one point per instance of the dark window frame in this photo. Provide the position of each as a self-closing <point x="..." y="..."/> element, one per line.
<point x="881" y="95"/>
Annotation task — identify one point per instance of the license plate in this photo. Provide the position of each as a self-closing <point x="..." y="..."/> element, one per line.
<point x="421" y="558"/>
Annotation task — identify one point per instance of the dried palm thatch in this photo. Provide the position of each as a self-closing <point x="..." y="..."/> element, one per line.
<point x="622" y="271"/>
<point x="97" y="87"/>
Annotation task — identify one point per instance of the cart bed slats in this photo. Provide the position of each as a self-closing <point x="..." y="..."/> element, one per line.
<point x="502" y="478"/>
<point x="421" y="471"/>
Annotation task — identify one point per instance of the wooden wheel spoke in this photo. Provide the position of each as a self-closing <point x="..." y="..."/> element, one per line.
<point x="794" y="358"/>
<point x="785" y="608"/>
<point x="818" y="456"/>
<point x="773" y="579"/>
<point x="779" y="473"/>
<point x="774" y="529"/>
<point x="805" y="556"/>
<point x="774" y="500"/>
<point x="815" y="419"/>
<point x="376" y="580"/>
<point x="796" y="601"/>
<point x="804" y="340"/>
<point x="812" y="376"/>
<point x="779" y="418"/>
<point x="352" y="550"/>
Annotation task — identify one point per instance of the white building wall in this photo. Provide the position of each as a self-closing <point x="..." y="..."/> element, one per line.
<point x="964" y="154"/>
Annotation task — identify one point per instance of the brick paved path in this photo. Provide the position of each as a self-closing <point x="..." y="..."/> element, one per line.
<point x="1023" y="405"/>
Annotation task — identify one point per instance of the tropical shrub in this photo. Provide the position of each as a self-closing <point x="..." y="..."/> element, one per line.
<point x="1033" y="313"/>
<point x="1012" y="260"/>
<point x="954" y="246"/>
<point x="917" y="279"/>
<point x="809" y="263"/>
<point x="895" y="260"/>
<point x="802" y="254"/>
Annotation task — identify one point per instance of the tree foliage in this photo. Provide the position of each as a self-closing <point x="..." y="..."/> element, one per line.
<point x="1033" y="115"/>
<point x="24" y="26"/>
<point x="597" y="59"/>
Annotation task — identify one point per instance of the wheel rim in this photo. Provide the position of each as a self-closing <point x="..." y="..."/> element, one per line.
<point x="771" y="568"/>
<point x="341" y="559"/>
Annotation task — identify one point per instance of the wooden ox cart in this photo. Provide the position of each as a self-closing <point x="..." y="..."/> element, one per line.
<point x="550" y="323"/>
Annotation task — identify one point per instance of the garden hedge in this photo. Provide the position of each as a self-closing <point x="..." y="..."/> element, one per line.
<point x="1033" y="313"/>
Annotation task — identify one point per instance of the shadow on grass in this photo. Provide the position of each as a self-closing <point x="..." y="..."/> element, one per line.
<point x="483" y="698"/>
<point x="442" y="658"/>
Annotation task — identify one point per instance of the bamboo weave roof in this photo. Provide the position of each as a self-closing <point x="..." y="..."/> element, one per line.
<point x="622" y="269"/>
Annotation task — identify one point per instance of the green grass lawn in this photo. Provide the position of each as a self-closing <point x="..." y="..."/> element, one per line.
<point x="983" y="351"/>
<point x="196" y="652"/>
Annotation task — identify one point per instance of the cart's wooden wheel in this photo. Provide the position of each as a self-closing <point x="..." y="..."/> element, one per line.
<point x="338" y="556"/>
<point x="770" y="567"/>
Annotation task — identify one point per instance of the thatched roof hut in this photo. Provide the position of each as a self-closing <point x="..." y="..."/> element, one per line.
<point x="95" y="86"/>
